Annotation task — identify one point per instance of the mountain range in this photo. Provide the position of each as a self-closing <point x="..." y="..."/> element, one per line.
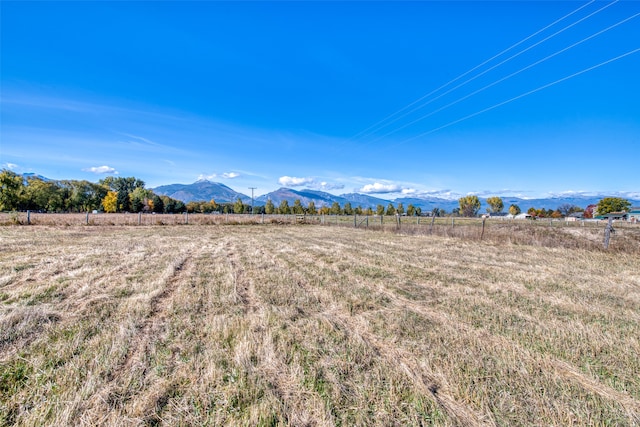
<point x="203" y="190"/>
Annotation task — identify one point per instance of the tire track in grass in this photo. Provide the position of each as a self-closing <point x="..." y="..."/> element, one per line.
<point x="423" y="378"/>
<point x="396" y="358"/>
<point x="117" y="387"/>
<point x="561" y="368"/>
<point x="299" y="406"/>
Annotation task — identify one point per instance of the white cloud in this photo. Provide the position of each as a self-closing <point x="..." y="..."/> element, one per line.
<point x="101" y="170"/>
<point x="379" y="188"/>
<point x="291" y="181"/>
<point x="408" y="191"/>
<point x="230" y="175"/>
<point x="10" y="166"/>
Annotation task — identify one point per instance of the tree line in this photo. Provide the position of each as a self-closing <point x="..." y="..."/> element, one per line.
<point x="120" y="194"/>
<point x="112" y="194"/>
<point x="470" y="206"/>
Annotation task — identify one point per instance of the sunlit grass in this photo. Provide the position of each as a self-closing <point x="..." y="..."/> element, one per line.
<point x="310" y="325"/>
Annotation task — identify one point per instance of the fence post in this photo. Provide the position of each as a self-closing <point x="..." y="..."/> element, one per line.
<point x="139" y="218"/>
<point x="186" y="217"/>
<point x="28" y="217"/>
<point x="452" y="222"/>
<point x="367" y="221"/>
<point x="433" y="219"/>
<point x="87" y="217"/>
<point x="482" y="234"/>
<point x="607" y="232"/>
<point x="381" y="216"/>
<point x="355" y="219"/>
<point x="263" y="217"/>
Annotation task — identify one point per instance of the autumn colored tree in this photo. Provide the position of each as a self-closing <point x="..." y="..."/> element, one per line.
<point x="400" y="209"/>
<point x="496" y="205"/>
<point x="590" y="211"/>
<point x="311" y="208"/>
<point x="110" y="202"/>
<point x="379" y="210"/>
<point x="469" y="205"/>
<point x="411" y="210"/>
<point x="514" y="210"/>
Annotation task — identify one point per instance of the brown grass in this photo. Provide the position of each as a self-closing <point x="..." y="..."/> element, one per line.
<point x="309" y="325"/>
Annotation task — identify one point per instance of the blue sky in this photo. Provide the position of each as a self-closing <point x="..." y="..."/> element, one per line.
<point x="311" y="95"/>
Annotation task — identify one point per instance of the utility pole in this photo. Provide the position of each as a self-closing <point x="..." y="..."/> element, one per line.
<point x="252" y="188"/>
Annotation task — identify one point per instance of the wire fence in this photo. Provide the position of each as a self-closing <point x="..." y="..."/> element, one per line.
<point x="543" y="232"/>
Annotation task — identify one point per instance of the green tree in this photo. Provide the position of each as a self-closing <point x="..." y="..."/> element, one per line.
<point x="335" y="209"/>
<point x="613" y="204"/>
<point x="284" y="208"/>
<point x="358" y="210"/>
<point x="496" y="204"/>
<point x="43" y="195"/>
<point x="400" y="209"/>
<point x="311" y="209"/>
<point x="380" y="210"/>
<point x="514" y="210"/>
<point x="368" y="211"/>
<point x="139" y="199"/>
<point x="411" y="210"/>
<point x="269" y="208"/>
<point x="158" y="204"/>
<point x="238" y="206"/>
<point x="11" y="189"/>
<point x="437" y="212"/>
<point x="469" y="205"/>
<point x="297" y="207"/>
<point x="348" y="210"/>
<point x="390" y="209"/>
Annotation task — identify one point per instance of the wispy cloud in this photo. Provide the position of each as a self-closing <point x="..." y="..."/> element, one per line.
<point x="10" y="166"/>
<point x="100" y="170"/>
<point x="308" y="182"/>
<point x="224" y="175"/>
<point x="326" y="186"/>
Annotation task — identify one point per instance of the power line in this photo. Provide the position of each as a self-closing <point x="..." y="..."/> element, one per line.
<point x="487" y="70"/>
<point x="508" y="76"/>
<point x="359" y="134"/>
<point x="522" y="95"/>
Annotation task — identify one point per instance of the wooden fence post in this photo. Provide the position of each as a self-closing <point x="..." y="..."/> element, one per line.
<point x="139" y="218"/>
<point x="607" y="232"/>
<point x="482" y="234"/>
<point x="355" y="221"/>
<point x="433" y="219"/>
<point x="87" y="218"/>
<point x="28" y="217"/>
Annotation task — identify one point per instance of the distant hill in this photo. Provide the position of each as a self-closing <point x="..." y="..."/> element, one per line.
<point x="319" y="198"/>
<point x="206" y="190"/>
<point x="201" y="191"/>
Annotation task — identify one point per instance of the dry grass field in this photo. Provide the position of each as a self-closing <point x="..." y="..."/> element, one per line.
<point x="267" y="325"/>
